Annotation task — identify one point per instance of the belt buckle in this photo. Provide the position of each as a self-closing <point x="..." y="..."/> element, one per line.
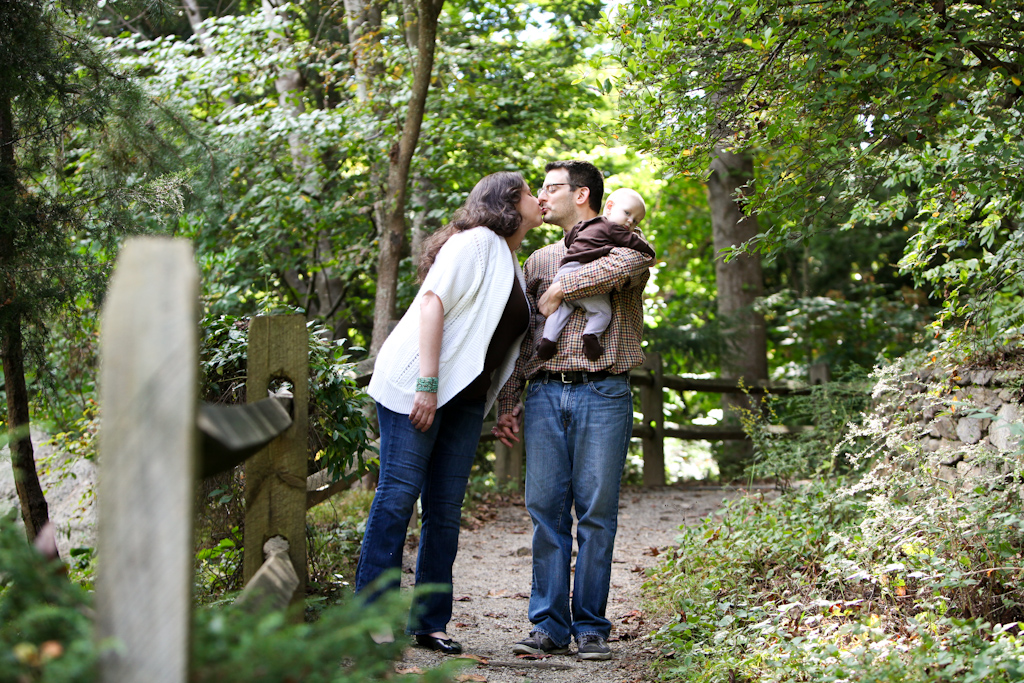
<point x="566" y="377"/>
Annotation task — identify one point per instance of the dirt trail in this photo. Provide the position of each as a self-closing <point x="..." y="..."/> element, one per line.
<point x="492" y="588"/>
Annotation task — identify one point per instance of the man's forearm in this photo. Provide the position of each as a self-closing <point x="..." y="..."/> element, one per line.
<point x="616" y="271"/>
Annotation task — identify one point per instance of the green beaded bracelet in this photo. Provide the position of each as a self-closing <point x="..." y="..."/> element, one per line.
<point x="428" y="384"/>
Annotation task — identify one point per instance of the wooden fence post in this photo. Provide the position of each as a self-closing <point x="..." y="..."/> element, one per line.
<point x="149" y="363"/>
<point x="508" y="463"/>
<point x="651" y="404"/>
<point x="275" y="478"/>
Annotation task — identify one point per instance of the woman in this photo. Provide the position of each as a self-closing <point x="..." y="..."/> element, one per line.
<point x="435" y="378"/>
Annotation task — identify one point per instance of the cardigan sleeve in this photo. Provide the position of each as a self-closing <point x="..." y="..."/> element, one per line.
<point x="458" y="268"/>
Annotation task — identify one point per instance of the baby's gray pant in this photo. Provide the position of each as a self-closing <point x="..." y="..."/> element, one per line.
<point x="597" y="307"/>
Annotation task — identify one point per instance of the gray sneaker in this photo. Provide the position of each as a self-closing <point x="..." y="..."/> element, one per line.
<point x="593" y="647"/>
<point x="538" y="644"/>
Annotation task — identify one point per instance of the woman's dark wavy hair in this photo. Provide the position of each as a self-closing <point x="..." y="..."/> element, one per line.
<point x="491" y="203"/>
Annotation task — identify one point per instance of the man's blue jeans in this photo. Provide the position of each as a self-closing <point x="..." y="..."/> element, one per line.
<point x="576" y="441"/>
<point x="437" y="463"/>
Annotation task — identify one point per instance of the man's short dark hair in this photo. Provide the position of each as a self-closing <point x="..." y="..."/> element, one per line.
<point x="583" y="174"/>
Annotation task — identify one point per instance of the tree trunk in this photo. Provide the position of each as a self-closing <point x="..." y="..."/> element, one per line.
<point x="30" y="493"/>
<point x="34" y="510"/>
<point x="394" y="229"/>
<point x="195" y="20"/>
<point x="740" y="283"/>
<point x="364" y="19"/>
<point x="420" y="222"/>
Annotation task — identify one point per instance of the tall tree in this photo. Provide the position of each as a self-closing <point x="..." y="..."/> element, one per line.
<point x="740" y="284"/>
<point x="394" y="230"/>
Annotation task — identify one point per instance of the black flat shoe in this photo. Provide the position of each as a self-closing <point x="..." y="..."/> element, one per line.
<point x="445" y="645"/>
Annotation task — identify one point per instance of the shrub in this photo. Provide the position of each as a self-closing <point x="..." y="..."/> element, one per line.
<point x="899" y="575"/>
<point x="46" y="633"/>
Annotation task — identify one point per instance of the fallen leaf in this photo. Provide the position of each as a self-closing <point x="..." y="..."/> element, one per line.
<point x="495" y="615"/>
<point x="521" y="596"/>
<point x="462" y="598"/>
<point x="408" y="670"/>
<point x="471" y="677"/>
<point x="537" y="656"/>
<point x="475" y="658"/>
<point x="652" y="551"/>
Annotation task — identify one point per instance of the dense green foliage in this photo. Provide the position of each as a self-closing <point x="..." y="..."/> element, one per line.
<point x="45" y="626"/>
<point x="299" y="174"/>
<point x="866" y="114"/>
<point x="88" y="154"/>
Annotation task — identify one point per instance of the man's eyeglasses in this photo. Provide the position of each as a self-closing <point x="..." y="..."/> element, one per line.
<point x="550" y="186"/>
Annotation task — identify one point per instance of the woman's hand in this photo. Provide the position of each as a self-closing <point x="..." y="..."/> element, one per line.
<point x="424" y="407"/>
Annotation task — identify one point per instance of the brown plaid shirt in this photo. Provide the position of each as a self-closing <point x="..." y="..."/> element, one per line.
<point x="623" y="273"/>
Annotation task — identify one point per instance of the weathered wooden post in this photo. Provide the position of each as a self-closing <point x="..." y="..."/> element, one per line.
<point x="275" y="478"/>
<point x="651" y="404"/>
<point x="508" y="463"/>
<point x="147" y="462"/>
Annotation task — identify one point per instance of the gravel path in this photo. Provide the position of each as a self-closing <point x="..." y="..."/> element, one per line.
<point x="492" y="589"/>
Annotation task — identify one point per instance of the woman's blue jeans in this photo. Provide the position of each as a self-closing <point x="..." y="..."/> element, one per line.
<point x="436" y="464"/>
<point x="576" y="441"/>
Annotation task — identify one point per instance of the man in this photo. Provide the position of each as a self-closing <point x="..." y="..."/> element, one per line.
<point x="578" y="421"/>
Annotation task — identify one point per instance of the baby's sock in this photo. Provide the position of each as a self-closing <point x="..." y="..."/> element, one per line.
<point x="546" y="349"/>
<point x="592" y="347"/>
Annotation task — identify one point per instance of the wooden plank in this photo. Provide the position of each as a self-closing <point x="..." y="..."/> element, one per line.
<point x="317" y="495"/>
<point x="731" y="386"/>
<point x="275" y="478"/>
<point x="273" y="585"/>
<point x="706" y="433"/>
<point x="508" y="463"/>
<point x="148" y="380"/>
<point x="652" y="405"/>
<point x="230" y="434"/>
<point x="712" y="432"/>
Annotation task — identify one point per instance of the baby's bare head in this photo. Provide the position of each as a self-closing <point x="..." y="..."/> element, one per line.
<point x="625" y="207"/>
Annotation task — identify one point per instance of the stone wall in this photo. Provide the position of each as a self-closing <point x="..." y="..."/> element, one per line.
<point x="966" y="415"/>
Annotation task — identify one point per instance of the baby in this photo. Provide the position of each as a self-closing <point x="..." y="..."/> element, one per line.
<point x="588" y="241"/>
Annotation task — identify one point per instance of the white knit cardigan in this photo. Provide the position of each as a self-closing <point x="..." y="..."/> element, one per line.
<point x="472" y="275"/>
